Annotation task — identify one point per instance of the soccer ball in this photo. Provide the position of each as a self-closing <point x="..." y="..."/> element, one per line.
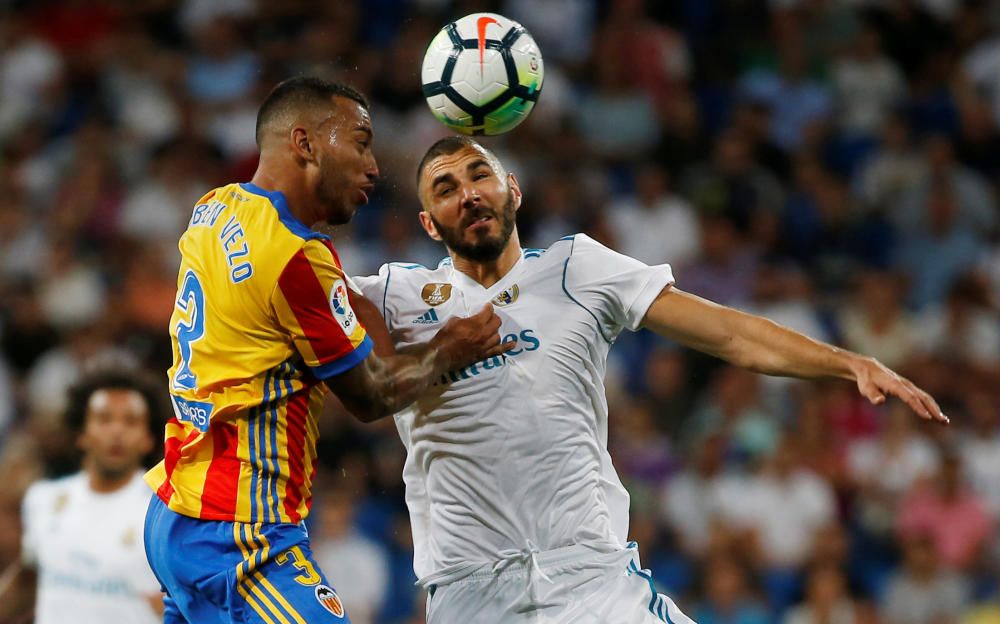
<point x="482" y="74"/>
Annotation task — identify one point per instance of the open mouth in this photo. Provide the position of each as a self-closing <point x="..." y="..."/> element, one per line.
<point x="479" y="221"/>
<point x="365" y="192"/>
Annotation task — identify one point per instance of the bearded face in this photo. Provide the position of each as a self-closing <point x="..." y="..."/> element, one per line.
<point x="482" y="232"/>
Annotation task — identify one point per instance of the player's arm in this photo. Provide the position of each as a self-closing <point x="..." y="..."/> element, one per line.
<point x="155" y="602"/>
<point x="17" y="590"/>
<point x="380" y="386"/>
<point x="764" y="346"/>
<point x="373" y="322"/>
<point x="311" y="301"/>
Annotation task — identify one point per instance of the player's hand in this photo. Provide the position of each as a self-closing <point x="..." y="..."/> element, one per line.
<point x="463" y="341"/>
<point x="875" y="381"/>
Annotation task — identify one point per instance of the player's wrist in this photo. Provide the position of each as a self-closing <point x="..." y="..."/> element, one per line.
<point x="854" y="366"/>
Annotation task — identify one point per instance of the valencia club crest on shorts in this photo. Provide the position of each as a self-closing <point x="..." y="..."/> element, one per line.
<point x="330" y="600"/>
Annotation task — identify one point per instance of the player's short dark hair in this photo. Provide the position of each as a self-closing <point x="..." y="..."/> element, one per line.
<point x="448" y="145"/>
<point x="113" y="379"/>
<point x="302" y="92"/>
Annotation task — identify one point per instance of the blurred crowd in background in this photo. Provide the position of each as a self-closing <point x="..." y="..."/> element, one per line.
<point x="830" y="164"/>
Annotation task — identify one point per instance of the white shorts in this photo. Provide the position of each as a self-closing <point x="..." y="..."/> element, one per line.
<point x="571" y="585"/>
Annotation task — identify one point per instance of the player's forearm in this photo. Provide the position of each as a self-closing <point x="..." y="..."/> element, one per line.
<point x="17" y="590"/>
<point x="405" y="377"/>
<point x="767" y="347"/>
<point x="744" y="339"/>
<point x="381" y="386"/>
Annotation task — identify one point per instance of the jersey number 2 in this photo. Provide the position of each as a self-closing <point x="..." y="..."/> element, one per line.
<point x="191" y="302"/>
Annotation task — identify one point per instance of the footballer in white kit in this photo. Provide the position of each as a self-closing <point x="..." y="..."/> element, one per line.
<point x="82" y="548"/>
<point x="507" y="459"/>
<point x="87" y="549"/>
<point x="517" y="512"/>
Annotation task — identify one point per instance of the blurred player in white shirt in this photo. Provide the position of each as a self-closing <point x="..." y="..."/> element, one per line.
<point x="83" y="534"/>
<point x="518" y="514"/>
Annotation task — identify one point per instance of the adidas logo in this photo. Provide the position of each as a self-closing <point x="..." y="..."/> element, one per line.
<point x="430" y="316"/>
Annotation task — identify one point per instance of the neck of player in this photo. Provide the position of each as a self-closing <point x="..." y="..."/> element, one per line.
<point x="490" y="272"/>
<point x="274" y="176"/>
<point x="107" y="481"/>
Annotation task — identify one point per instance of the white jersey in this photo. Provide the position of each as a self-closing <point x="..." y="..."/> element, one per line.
<point x="88" y="550"/>
<point x="511" y="452"/>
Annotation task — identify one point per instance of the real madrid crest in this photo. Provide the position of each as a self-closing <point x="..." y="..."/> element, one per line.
<point x="434" y="294"/>
<point x="508" y="296"/>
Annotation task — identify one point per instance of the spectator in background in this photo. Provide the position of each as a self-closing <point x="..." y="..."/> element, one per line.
<point x="667" y="384"/>
<point x="875" y="321"/>
<point x="157" y="209"/>
<point x="867" y="86"/>
<point x="892" y="169"/>
<point x="726" y="268"/>
<point x="655" y="55"/>
<point x="826" y="230"/>
<point x="29" y="67"/>
<point x="798" y="103"/>
<point x="654" y="225"/>
<point x="922" y="591"/>
<point x="729" y="598"/>
<point x="782" y="507"/>
<point x="981" y="66"/>
<point x="646" y="454"/>
<point x="734" y="409"/>
<point x="827" y="600"/>
<point x="139" y="81"/>
<point x="979" y="447"/>
<point x="974" y="203"/>
<point x="616" y="118"/>
<point x="964" y="330"/>
<point x="950" y="514"/>
<point x="359" y="565"/>
<point x="940" y="250"/>
<point x="885" y="468"/>
<point x="731" y="183"/>
<point x="692" y="502"/>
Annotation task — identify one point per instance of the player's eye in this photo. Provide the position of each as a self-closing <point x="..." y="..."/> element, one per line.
<point x="480" y="175"/>
<point x="444" y="191"/>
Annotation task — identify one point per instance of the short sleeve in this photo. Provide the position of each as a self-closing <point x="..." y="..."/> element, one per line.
<point x="375" y="287"/>
<point x="312" y="305"/>
<point x="615" y="288"/>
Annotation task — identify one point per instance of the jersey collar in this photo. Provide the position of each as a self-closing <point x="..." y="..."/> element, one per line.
<point x="277" y="199"/>
<point x="470" y="285"/>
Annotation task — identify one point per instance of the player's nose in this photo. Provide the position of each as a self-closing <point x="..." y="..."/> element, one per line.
<point x="470" y="197"/>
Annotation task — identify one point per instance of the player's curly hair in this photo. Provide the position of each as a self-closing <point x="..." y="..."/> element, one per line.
<point x="113" y="379"/>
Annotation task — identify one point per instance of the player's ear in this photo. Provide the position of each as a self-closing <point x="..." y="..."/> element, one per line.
<point x="515" y="188"/>
<point x="301" y="144"/>
<point x="425" y="220"/>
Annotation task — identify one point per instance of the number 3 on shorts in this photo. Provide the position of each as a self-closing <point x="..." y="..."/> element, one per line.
<point x="299" y="561"/>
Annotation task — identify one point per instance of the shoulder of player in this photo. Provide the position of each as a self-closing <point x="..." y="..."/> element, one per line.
<point x="412" y="272"/>
<point x="50" y="489"/>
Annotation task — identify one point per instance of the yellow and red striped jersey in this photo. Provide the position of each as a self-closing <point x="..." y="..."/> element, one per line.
<point x="261" y="318"/>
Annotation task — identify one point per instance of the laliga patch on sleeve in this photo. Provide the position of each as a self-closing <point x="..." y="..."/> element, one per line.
<point x="341" y="307"/>
<point x="330" y="600"/>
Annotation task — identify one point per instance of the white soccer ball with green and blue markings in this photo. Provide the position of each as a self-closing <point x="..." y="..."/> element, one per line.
<point x="482" y="74"/>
